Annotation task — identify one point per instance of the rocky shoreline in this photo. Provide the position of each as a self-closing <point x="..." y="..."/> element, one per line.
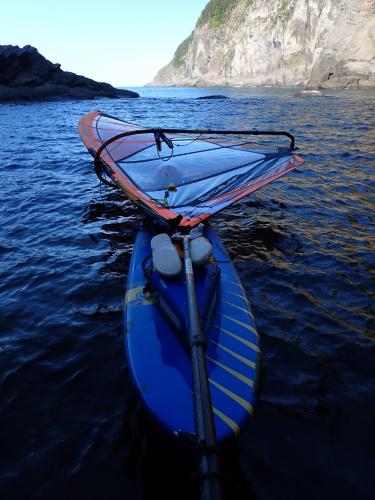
<point x="25" y="75"/>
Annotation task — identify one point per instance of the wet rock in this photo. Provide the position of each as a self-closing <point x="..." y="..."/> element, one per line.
<point x="27" y="75"/>
<point x="213" y="97"/>
<point x="304" y="93"/>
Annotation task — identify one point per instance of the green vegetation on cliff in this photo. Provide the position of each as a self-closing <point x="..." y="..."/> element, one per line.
<point x="284" y="12"/>
<point x="179" y="56"/>
<point x="216" y="12"/>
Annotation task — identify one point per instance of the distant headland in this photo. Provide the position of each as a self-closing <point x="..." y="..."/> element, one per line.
<point x="25" y="75"/>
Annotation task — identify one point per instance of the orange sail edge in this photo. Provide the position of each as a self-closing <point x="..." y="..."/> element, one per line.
<point x="92" y="143"/>
<point x="96" y="128"/>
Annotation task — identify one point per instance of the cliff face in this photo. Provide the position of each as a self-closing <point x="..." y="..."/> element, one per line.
<point x="27" y="75"/>
<point x="313" y="43"/>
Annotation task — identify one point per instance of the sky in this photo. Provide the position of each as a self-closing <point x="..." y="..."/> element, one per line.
<point x="122" y="42"/>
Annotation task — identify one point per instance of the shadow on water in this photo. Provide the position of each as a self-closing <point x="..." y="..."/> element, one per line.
<point x="163" y="468"/>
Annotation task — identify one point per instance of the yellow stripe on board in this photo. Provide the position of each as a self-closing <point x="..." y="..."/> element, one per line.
<point x="241" y="401"/>
<point x="231" y="423"/>
<point x="245" y="380"/>
<point x="240" y="339"/>
<point x="234" y="354"/>
<point x="237" y="283"/>
<point x="244" y="309"/>
<point x="244" y="325"/>
<point x="242" y="296"/>
<point x="133" y="295"/>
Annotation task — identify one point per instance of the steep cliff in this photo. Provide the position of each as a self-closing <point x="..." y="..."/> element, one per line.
<point x="313" y="43"/>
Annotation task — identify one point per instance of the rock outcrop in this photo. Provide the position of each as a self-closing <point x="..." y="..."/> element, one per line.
<point x="27" y="75"/>
<point x="213" y="97"/>
<point x="308" y="43"/>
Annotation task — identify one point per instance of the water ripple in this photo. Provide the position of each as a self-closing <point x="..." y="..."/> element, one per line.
<point x="304" y="249"/>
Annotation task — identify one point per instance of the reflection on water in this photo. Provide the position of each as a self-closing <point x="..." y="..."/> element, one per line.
<point x="71" y="426"/>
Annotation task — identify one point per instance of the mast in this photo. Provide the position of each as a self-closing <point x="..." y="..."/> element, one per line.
<point x="204" y="420"/>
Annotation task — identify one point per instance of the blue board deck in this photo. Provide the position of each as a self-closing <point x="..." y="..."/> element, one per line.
<point x="159" y="359"/>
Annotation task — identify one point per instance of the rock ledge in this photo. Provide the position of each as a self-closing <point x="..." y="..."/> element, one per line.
<point x="25" y="75"/>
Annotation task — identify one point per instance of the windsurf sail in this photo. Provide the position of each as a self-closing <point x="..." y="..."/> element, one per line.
<point x="183" y="175"/>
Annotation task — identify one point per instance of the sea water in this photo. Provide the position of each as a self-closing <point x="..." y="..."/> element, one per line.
<point x="70" y="423"/>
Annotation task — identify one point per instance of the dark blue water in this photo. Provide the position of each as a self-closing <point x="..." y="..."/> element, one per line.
<point x="70" y="423"/>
